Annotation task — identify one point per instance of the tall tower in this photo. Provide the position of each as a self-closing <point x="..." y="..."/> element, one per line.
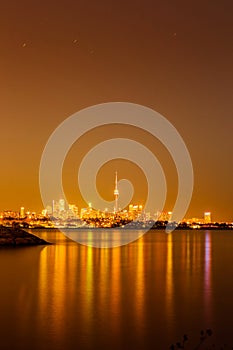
<point x="116" y="195"/>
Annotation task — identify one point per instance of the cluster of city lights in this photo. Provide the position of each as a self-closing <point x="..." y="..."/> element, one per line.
<point x="60" y="214"/>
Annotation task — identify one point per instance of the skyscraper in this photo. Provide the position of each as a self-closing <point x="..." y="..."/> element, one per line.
<point x="207" y="217"/>
<point x="116" y="194"/>
<point x="22" y="212"/>
<point x="61" y="205"/>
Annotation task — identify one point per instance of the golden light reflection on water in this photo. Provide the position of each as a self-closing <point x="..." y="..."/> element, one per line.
<point x="115" y="288"/>
<point x="188" y="256"/>
<point x="52" y="285"/>
<point x="207" y="276"/>
<point x="94" y="286"/>
<point x="169" y="275"/>
<point x="99" y="276"/>
<point x="140" y="285"/>
<point x="68" y="296"/>
<point x="88" y="283"/>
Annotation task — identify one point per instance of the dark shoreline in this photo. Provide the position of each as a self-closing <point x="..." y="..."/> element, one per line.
<point x="130" y="228"/>
<point x="16" y="237"/>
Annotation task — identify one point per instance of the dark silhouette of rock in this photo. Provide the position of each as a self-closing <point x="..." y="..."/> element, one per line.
<point x="18" y="237"/>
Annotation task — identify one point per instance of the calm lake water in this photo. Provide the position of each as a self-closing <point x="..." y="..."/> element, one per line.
<point x="144" y="295"/>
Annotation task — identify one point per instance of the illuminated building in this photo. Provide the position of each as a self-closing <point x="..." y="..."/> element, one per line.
<point x="44" y="212"/>
<point x="165" y="216"/>
<point x="88" y="212"/>
<point x="116" y="195"/>
<point x="169" y="216"/>
<point x="22" y="212"/>
<point x="135" y="211"/>
<point x="61" y="205"/>
<point x="73" y="210"/>
<point x="207" y="217"/>
<point x="10" y="214"/>
<point x="49" y="210"/>
<point x="58" y="208"/>
<point x="83" y="213"/>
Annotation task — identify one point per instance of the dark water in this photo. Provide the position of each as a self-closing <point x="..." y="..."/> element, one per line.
<point x="144" y="295"/>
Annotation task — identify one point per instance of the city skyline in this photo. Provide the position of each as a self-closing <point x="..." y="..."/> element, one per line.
<point x="164" y="215"/>
<point x="63" y="215"/>
<point x="60" y="205"/>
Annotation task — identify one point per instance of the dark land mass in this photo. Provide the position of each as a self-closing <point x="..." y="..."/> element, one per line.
<point x="18" y="237"/>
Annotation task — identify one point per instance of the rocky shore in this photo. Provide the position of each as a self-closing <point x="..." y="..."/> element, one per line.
<point x="17" y="237"/>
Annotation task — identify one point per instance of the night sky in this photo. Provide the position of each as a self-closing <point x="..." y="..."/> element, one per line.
<point x="175" y="57"/>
